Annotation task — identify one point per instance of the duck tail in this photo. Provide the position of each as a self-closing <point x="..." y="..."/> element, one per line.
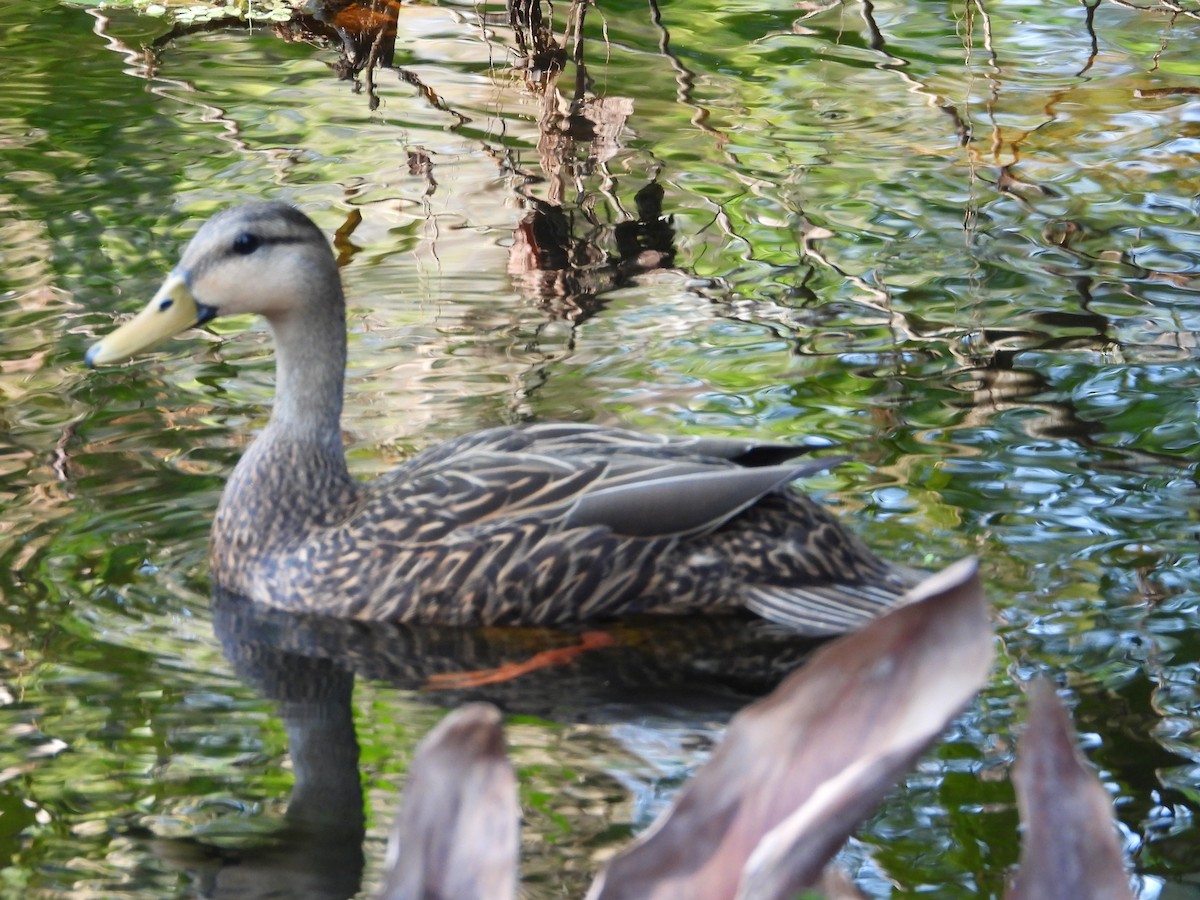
<point x="825" y="610"/>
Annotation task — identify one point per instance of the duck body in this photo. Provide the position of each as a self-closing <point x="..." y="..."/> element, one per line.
<point x="545" y="524"/>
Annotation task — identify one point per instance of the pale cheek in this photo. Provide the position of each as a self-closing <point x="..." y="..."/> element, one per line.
<point x="237" y="289"/>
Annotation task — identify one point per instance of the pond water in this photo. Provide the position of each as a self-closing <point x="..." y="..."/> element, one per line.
<point x="959" y="241"/>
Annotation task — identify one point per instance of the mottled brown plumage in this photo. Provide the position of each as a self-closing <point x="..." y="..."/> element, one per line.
<point x="542" y="524"/>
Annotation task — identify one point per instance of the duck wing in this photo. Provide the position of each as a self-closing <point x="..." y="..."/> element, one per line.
<point x="681" y="499"/>
<point x="582" y="476"/>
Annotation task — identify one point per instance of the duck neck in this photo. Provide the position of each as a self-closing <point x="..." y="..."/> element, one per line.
<point x="292" y="481"/>
<point x="310" y="354"/>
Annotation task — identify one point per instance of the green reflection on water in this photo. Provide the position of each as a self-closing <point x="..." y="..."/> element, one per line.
<point x="976" y="269"/>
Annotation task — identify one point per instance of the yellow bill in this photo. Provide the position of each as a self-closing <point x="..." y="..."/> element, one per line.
<point x="172" y="310"/>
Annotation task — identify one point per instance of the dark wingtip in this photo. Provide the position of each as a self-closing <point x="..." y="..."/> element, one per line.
<point x="779" y="454"/>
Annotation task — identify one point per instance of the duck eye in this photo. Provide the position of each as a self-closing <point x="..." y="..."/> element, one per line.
<point x="246" y="243"/>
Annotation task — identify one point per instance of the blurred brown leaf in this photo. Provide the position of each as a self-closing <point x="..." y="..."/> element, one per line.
<point x="1069" y="847"/>
<point x="798" y="770"/>
<point x="456" y="835"/>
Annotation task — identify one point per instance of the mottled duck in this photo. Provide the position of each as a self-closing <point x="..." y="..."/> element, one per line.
<point x="544" y="524"/>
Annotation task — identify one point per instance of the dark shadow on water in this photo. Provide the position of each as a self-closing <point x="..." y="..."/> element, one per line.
<point x="567" y="269"/>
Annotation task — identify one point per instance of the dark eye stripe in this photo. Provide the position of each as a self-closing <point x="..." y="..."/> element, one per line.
<point x="247" y="242"/>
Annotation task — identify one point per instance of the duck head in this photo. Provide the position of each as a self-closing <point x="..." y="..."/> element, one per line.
<point x="264" y="258"/>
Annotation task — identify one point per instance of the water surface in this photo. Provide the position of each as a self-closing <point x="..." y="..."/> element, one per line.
<point x="958" y="241"/>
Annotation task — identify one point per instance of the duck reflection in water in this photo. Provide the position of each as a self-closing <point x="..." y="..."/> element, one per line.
<point x="693" y="669"/>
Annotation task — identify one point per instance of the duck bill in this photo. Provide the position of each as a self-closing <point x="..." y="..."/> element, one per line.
<point x="172" y="310"/>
